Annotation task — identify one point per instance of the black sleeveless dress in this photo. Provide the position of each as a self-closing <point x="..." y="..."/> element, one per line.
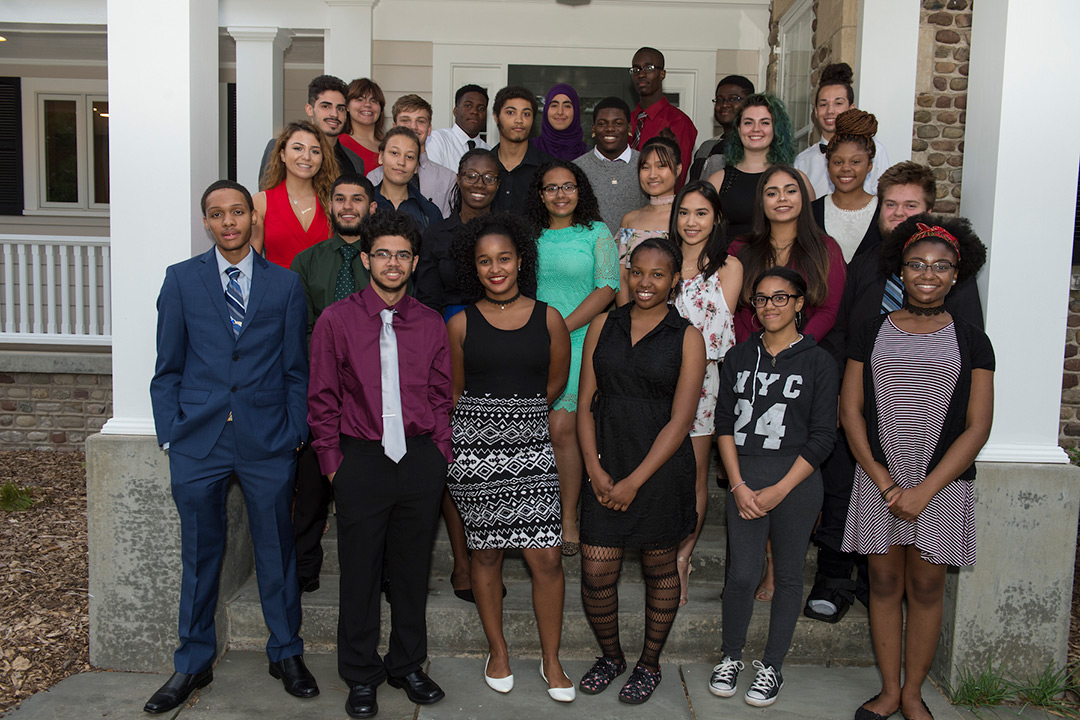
<point x="737" y="195"/>
<point x="503" y="478"/>
<point x="635" y="389"/>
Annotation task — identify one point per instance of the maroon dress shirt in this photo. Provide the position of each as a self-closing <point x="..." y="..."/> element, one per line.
<point x="345" y="390"/>
<point x="662" y="114"/>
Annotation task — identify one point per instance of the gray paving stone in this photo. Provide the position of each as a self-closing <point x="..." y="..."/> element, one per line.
<point x="114" y="695"/>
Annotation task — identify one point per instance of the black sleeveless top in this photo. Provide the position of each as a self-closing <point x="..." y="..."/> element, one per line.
<point x="737" y="195"/>
<point x="507" y="362"/>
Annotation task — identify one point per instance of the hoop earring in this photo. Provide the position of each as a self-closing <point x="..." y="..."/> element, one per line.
<point x="798" y="319"/>
<point x="753" y="321"/>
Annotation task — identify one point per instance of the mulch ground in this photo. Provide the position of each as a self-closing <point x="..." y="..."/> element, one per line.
<point x="43" y="575"/>
<point x="44" y="623"/>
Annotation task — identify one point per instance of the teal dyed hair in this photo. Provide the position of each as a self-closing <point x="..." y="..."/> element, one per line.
<point x="782" y="150"/>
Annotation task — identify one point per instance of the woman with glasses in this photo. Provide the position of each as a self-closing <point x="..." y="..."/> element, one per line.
<point x="763" y="137"/>
<point x="775" y="422"/>
<point x="916" y="406"/>
<point x="365" y="123"/>
<point x="578" y="275"/>
<point x="436" y="273"/>
<point x="295" y="194"/>
<point x="658" y="171"/>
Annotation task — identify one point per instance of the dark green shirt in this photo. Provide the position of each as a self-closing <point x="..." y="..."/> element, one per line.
<point x="318" y="268"/>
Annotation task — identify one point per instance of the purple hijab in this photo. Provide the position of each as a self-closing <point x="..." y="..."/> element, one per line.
<point x="567" y="144"/>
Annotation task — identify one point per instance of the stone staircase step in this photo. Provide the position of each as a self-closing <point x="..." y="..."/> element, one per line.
<point x="454" y="626"/>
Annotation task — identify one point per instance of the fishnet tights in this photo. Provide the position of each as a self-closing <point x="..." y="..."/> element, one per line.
<point x="600" y="569"/>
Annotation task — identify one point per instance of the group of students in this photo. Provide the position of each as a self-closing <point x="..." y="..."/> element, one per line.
<point x="589" y="361"/>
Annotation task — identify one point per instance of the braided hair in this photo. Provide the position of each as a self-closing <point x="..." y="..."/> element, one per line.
<point x="855" y="126"/>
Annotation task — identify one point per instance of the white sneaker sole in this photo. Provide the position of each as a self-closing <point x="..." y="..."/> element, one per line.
<point x="722" y="693"/>
<point x="764" y="703"/>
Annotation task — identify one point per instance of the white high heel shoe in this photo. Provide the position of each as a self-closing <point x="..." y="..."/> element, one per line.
<point x="499" y="685"/>
<point x="564" y="695"/>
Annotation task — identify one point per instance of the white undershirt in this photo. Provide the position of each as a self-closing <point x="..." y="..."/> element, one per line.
<point x="847" y="227"/>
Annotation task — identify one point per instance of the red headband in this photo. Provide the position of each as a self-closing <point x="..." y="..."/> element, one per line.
<point x="936" y="232"/>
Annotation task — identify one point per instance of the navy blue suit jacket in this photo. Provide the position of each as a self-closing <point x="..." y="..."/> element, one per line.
<point x="203" y="372"/>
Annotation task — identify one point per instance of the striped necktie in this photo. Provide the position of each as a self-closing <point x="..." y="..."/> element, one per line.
<point x="234" y="299"/>
<point x="893" y="298"/>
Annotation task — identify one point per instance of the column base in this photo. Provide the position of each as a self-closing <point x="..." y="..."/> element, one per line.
<point x="1012" y="609"/>
<point x="134" y="539"/>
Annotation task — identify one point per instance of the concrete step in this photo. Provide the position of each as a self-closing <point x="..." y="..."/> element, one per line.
<point x="454" y="626"/>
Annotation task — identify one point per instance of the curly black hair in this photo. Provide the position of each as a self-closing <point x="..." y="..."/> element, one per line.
<point x="669" y="248"/>
<point x="385" y="223"/>
<point x="972" y="250"/>
<point x="587" y="210"/>
<point x="463" y="251"/>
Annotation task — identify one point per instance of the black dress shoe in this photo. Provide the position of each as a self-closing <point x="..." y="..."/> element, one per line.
<point x="361" y="702"/>
<point x="309" y="584"/>
<point x="176" y="691"/>
<point x="421" y="689"/>
<point x="294" y="674"/>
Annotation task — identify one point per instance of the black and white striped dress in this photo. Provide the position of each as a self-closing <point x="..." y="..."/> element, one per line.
<point x="914" y="378"/>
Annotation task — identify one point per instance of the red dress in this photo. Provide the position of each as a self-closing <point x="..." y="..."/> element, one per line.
<point x="371" y="159"/>
<point x="283" y="235"/>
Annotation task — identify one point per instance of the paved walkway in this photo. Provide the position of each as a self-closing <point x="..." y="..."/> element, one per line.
<point x="242" y="688"/>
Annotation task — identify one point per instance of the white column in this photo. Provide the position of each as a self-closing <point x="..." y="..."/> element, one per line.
<point x="886" y="62"/>
<point x="1021" y="198"/>
<point x="260" y="86"/>
<point x="158" y="171"/>
<point x="348" y="38"/>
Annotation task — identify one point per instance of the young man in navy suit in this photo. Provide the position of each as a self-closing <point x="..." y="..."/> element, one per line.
<point x="230" y="396"/>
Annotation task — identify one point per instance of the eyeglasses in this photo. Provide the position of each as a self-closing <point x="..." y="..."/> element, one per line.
<point x="553" y="190"/>
<point x="647" y="69"/>
<point x="384" y="255"/>
<point x="471" y="176"/>
<point x="939" y="268"/>
<point x="778" y="299"/>
<point x="729" y="100"/>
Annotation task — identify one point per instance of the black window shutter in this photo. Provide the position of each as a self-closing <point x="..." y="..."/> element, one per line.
<point x="11" y="170"/>
<point x="231" y="143"/>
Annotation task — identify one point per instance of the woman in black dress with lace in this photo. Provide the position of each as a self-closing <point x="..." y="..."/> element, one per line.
<point x="641" y="375"/>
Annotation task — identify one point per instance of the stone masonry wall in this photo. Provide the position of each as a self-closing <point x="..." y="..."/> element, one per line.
<point x="1069" y="429"/>
<point x="50" y="402"/>
<point x="941" y="96"/>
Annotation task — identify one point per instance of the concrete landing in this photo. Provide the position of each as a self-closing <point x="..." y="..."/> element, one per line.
<point x="242" y="688"/>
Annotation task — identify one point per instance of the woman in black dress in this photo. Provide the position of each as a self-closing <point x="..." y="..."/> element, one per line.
<point x="511" y="358"/>
<point x="641" y="374"/>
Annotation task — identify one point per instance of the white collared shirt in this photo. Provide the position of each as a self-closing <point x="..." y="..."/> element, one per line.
<point x="446" y="146"/>
<point x="245" y="267"/>
<point x="624" y="157"/>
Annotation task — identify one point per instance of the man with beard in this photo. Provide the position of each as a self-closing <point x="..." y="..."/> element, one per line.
<point x="329" y="271"/>
<point x="379" y="410"/>
<point x="904" y="190"/>
<point x="447" y="145"/>
<point x="612" y="166"/>
<point x="654" y="113"/>
<point x="326" y="110"/>
<point x="730" y="92"/>
<point x="514" y="109"/>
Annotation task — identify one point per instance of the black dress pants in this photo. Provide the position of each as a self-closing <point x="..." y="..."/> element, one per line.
<point x="388" y="507"/>
<point x="310" y="507"/>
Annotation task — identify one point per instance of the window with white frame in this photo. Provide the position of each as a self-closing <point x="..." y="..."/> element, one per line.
<point x="793" y="68"/>
<point x="65" y="146"/>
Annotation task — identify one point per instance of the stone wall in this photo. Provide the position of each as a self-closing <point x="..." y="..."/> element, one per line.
<point x="1069" y="430"/>
<point x="52" y="401"/>
<point x="941" y="96"/>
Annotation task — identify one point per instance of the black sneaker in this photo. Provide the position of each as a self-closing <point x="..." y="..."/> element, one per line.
<point x="725" y="677"/>
<point x="767" y="685"/>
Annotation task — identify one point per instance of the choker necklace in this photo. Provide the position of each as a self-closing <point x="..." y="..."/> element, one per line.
<point x="936" y="310"/>
<point x="661" y="199"/>
<point x="502" y="303"/>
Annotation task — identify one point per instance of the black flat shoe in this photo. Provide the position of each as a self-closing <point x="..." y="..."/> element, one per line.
<point x="177" y="690"/>
<point x="467" y="594"/>
<point x="864" y="714"/>
<point x="295" y="676"/>
<point x="361" y="702"/>
<point x="421" y="689"/>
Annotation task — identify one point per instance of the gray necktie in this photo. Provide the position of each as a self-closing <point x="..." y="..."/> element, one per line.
<point x="393" y="435"/>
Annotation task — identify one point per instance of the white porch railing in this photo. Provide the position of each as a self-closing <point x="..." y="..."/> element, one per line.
<point x="56" y="290"/>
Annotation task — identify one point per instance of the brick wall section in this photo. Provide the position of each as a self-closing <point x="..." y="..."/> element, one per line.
<point x="1069" y="429"/>
<point x="941" y="96"/>
<point x="52" y="411"/>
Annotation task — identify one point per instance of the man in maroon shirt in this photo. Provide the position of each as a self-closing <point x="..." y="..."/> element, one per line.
<point x="654" y="113"/>
<point x="379" y="411"/>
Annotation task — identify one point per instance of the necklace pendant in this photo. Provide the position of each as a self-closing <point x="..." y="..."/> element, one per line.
<point x="774" y="361"/>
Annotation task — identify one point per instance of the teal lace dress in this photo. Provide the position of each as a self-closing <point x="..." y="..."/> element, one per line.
<point x="573" y="262"/>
